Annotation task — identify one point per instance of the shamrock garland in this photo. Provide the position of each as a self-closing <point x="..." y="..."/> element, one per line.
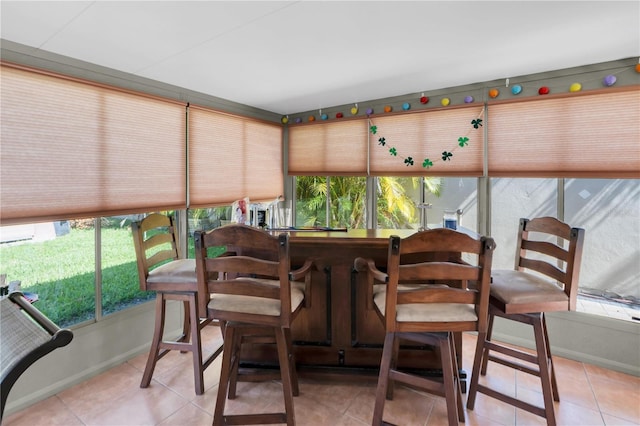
<point x="426" y="163"/>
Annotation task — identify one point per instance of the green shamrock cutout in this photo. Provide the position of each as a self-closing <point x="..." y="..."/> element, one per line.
<point x="446" y="155"/>
<point x="427" y="163"/>
<point x="408" y="161"/>
<point x="476" y="123"/>
<point x="393" y="152"/>
<point x="382" y="141"/>
<point x="374" y="129"/>
<point x="462" y="141"/>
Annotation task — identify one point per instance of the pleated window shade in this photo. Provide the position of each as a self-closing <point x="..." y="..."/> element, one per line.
<point x="584" y="135"/>
<point x="337" y="148"/>
<point x="232" y="157"/>
<point x="72" y="149"/>
<point x="426" y="135"/>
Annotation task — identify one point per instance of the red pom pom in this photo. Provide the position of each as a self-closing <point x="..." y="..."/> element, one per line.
<point x="339" y="115"/>
<point x="544" y="90"/>
<point x="424" y="100"/>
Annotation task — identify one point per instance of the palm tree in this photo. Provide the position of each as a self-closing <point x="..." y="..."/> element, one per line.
<point x="396" y="207"/>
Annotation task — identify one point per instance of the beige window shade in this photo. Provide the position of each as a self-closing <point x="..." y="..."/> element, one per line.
<point x="232" y="157"/>
<point x="426" y="135"/>
<point x="72" y="149"/>
<point x="594" y="135"/>
<point x="337" y="148"/>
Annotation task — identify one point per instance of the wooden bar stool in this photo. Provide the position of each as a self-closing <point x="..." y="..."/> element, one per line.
<point x="252" y="292"/>
<point x="545" y="279"/>
<point x="428" y="293"/>
<point x="160" y="269"/>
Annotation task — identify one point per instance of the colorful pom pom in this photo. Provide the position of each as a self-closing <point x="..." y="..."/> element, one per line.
<point x="445" y="101"/>
<point x="609" y="80"/>
<point x="637" y="67"/>
<point x="544" y="90"/>
<point x="354" y="110"/>
<point x="369" y="111"/>
<point x="493" y="93"/>
<point x="387" y="108"/>
<point x="298" y="120"/>
<point x="575" y="87"/>
<point x="339" y="115"/>
<point x="424" y="99"/>
<point x="284" y="119"/>
<point x="324" y="117"/>
<point x="406" y="106"/>
<point x="312" y="118"/>
<point x="516" y="89"/>
<point x="468" y="99"/>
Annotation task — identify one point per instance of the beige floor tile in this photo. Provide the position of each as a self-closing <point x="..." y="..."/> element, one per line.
<point x="497" y="411"/>
<point x="148" y="406"/>
<point x="90" y="397"/>
<point x="337" y="396"/>
<point x="310" y="413"/>
<point x="50" y="411"/>
<point x="181" y="377"/>
<point x="616" y="398"/>
<point x="188" y="415"/>
<point x="594" y="371"/>
<point x="617" y="421"/>
<point x="408" y="407"/>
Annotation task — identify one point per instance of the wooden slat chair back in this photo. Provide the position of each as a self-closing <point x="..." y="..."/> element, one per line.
<point x="156" y="243"/>
<point x="429" y="293"/>
<point x="161" y="269"/>
<point x="544" y="279"/>
<point x="251" y="290"/>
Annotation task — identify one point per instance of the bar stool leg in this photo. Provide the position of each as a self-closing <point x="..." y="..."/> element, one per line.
<point x="154" y="351"/>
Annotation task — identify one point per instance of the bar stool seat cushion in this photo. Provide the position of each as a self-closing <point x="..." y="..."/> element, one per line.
<point x="257" y="305"/>
<point x="176" y="271"/>
<point x="433" y="312"/>
<point x="517" y="287"/>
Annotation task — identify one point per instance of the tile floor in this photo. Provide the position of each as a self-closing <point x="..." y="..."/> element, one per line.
<point x="589" y="395"/>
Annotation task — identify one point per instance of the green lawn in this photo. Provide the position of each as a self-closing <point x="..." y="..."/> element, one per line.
<point x="62" y="272"/>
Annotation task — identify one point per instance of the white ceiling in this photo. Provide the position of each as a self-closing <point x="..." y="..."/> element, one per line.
<point x="295" y="56"/>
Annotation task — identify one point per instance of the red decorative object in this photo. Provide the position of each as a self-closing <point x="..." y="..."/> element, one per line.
<point x="424" y="99"/>
<point x="544" y="90"/>
<point x="339" y="115"/>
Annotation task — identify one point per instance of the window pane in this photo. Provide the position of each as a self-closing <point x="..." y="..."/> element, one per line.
<point x="346" y="196"/>
<point x="397" y="200"/>
<point x="311" y="201"/>
<point x="56" y="261"/>
<point x="609" y="211"/>
<point x="348" y="202"/>
<point x="205" y="220"/>
<point x="512" y="199"/>
<point x="120" y="283"/>
<point x="456" y="194"/>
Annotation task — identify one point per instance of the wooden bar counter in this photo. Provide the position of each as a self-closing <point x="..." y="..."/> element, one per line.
<point x="337" y="333"/>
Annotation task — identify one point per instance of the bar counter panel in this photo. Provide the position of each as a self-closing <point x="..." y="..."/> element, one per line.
<point x="337" y="331"/>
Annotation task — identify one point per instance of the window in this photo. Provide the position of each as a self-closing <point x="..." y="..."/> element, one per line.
<point x="232" y="157"/>
<point x="458" y="194"/>
<point x="343" y="197"/>
<point x="609" y="211"/>
<point x="57" y="261"/>
<point x="512" y="199"/>
<point x="89" y="149"/>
